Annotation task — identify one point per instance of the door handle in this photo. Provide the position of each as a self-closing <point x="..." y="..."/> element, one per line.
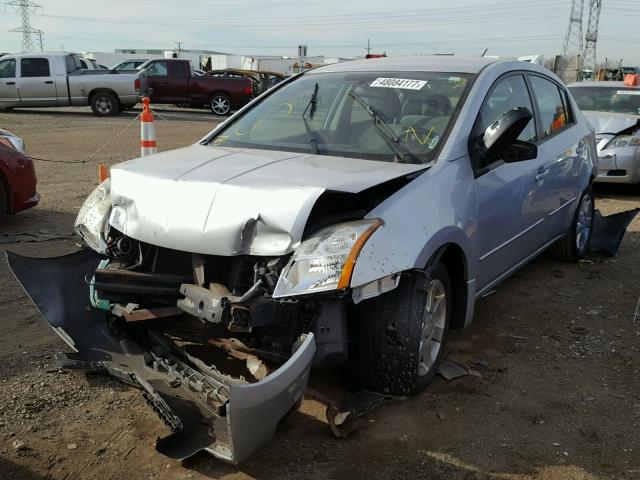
<point x="608" y="156"/>
<point x="11" y="83"/>
<point x="49" y="82"/>
<point x="542" y="172"/>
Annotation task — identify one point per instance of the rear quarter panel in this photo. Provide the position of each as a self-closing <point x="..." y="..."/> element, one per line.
<point x="201" y="89"/>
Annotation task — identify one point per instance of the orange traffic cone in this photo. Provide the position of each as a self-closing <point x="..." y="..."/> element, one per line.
<point x="147" y="130"/>
<point x="103" y="172"/>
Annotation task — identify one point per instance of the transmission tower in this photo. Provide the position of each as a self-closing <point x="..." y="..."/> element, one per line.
<point x="573" y="40"/>
<point x="592" y="34"/>
<point x="25" y="8"/>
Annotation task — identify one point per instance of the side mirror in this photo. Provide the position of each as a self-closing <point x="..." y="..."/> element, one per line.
<point x="503" y="134"/>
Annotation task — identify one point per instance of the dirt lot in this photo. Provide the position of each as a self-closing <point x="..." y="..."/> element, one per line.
<point x="558" y="399"/>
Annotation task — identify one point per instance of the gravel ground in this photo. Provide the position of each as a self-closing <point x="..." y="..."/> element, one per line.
<point x="558" y="396"/>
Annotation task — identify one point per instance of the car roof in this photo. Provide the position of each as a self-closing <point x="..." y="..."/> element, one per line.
<point x="602" y="84"/>
<point x="417" y="63"/>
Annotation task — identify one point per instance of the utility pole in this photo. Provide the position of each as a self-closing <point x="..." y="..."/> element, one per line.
<point x="179" y="45"/>
<point x="591" y="38"/>
<point x="573" y="39"/>
<point x="368" y="46"/>
<point x="25" y="8"/>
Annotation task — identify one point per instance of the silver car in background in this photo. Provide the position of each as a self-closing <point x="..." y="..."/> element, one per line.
<point x="351" y="215"/>
<point x="613" y="108"/>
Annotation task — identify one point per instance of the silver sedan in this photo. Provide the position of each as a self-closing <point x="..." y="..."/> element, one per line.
<point x="613" y="108"/>
<point x="351" y="215"/>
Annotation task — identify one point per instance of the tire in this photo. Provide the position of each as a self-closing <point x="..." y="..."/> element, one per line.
<point x="4" y="203"/>
<point x="105" y="104"/>
<point x="220" y="104"/>
<point x="391" y="330"/>
<point x="575" y="245"/>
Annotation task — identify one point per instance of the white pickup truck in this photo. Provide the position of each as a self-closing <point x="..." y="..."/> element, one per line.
<point x="58" y="80"/>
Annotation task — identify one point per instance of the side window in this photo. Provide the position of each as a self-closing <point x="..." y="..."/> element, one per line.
<point x="179" y="70"/>
<point x="34" y="67"/>
<point x="8" y="68"/>
<point x="157" y="69"/>
<point x="506" y="95"/>
<point x="552" y="107"/>
<point x="83" y="64"/>
<point x="71" y="64"/>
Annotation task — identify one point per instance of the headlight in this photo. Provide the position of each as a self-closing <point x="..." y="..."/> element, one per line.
<point x="623" y="141"/>
<point x="325" y="261"/>
<point x="10" y="140"/>
<point x="93" y="218"/>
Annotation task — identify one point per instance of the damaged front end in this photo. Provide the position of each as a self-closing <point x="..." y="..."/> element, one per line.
<point x="221" y="345"/>
<point x="229" y="409"/>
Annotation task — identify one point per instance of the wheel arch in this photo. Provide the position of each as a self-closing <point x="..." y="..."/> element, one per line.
<point x="221" y="92"/>
<point x="454" y="259"/>
<point x="97" y="90"/>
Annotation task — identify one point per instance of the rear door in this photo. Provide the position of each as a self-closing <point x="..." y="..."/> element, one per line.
<point x="563" y="151"/>
<point x="37" y="82"/>
<point x="167" y="87"/>
<point x="509" y="219"/>
<point x="179" y="73"/>
<point x="9" y="95"/>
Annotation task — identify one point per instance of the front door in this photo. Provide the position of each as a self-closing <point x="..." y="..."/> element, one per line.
<point x="509" y="214"/>
<point x="9" y="96"/>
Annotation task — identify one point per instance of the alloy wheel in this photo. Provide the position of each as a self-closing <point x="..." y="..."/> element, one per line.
<point x="433" y="324"/>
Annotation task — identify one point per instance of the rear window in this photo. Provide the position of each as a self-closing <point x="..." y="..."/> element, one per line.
<point x="614" y="99"/>
<point x="35" y="67"/>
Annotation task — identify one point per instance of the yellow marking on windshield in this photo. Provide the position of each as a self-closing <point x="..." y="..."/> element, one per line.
<point x="219" y="140"/>
<point x="412" y="131"/>
<point x="267" y="113"/>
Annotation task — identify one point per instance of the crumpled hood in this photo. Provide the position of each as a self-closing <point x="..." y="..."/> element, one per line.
<point x="612" y="123"/>
<point x="227" y="201"/>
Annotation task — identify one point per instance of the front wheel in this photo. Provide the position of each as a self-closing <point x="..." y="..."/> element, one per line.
<point x="105" y="104"/>
<point x="575" y="245"/>
<point x="220" y="104"/>
<point x="401" y="334"/>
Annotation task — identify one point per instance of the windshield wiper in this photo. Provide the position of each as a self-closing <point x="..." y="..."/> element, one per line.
<point x="386" y="132"/>
<point x="311" y="108"/>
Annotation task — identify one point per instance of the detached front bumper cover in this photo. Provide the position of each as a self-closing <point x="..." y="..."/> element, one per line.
<point x="204" y="408"/>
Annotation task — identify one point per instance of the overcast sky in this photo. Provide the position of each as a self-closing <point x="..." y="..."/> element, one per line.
<point x="329" y="27"/>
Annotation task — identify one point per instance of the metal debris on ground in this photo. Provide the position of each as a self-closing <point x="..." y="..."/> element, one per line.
<point x="236" y="349"/>
<point x="450" y="370"/>
<point x="354" y="411"/>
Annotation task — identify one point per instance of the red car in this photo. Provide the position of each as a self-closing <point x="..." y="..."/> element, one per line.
<point x="172" y="81"/>
<point x="17" y="176"/>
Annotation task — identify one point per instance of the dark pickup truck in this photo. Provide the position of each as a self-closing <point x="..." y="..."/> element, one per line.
<point x="172" y="81"/>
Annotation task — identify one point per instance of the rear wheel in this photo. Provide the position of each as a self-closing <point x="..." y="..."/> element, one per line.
<point x="220" y="104"/>
<point x="402" y="333"/>
<point x="4" y="202"/>
<point x="576" y="244"/>
<point x="105" y="104"/>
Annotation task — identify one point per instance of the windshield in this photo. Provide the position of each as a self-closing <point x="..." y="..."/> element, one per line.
<point x="389" y="116"/>
<point x="607" y="99"/>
